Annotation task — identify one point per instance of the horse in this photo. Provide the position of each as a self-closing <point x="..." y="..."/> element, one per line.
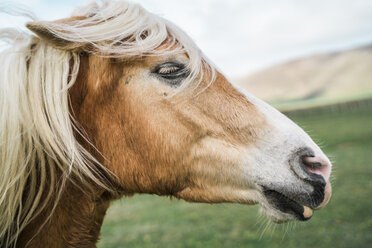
<point x="115" y="101"/>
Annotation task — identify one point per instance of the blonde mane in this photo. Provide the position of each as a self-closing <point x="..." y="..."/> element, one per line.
<point x="36" y="129"/>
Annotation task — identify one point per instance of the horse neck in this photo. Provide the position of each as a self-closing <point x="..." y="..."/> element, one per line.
<point x="78" y="216"/>
<point x="75" y="222"/>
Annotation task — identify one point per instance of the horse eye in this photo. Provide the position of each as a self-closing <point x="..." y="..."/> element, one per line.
<point x="171" y="72"/>
<point x="168" y="70"/>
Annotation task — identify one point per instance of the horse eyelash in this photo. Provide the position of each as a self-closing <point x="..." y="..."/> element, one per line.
<point x="168" y="70"/>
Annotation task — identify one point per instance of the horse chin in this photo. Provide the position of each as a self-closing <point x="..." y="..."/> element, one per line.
<point x="277" y="216"/>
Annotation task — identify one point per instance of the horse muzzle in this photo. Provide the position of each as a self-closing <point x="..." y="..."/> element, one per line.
<point x="313" y="170"/>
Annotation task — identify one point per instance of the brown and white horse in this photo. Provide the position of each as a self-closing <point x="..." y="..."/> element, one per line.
<point x="115" y="101"/>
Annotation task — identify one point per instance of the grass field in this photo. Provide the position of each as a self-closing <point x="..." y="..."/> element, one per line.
<point x="152" y="221"/>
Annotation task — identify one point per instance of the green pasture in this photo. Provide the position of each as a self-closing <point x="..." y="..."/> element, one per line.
<point x="152" y="221"/>
<point x="305" y="103"/>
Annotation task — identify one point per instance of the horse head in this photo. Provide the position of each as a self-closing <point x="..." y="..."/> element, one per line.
<point x="166" y="122"/>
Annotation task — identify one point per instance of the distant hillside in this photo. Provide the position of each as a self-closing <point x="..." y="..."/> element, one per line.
<point x="336" y="76"/>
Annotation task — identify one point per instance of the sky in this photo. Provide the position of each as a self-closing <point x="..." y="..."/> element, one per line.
<point x="243" y="36"/>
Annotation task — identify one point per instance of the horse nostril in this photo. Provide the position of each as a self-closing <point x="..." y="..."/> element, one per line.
<point x="316" y="165"/>
<point x="311" y="166"/>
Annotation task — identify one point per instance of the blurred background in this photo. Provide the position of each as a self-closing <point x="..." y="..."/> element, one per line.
<point x="312" y="60"/>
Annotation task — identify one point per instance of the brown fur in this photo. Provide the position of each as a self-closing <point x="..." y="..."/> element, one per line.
<point x="145" y="139"/>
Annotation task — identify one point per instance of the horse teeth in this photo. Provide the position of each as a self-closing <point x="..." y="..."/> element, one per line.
<point x="308" y="212"/>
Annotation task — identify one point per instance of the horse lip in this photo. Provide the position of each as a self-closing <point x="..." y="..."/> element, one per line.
<point x="285" y="204"/>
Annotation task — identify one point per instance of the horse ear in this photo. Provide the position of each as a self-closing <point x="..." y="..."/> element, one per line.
<point x="45" y="32"/>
